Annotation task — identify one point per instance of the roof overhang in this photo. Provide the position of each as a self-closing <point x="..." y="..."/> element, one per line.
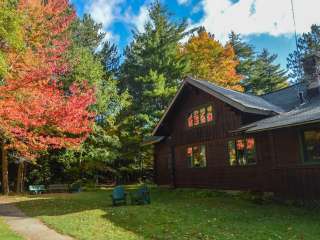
<point x="282" y="126"/>
<point x="152" y="140"/>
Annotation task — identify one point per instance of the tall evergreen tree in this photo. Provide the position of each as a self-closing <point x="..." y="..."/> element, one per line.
<point x="152" y="68"/>
<point x="88" y="34"/>
<point x="266" y="76"/>
<point x="245" y="55"/>
<point x="309" y="42"/>
<point x="152" y="71"/>
<point x="260" y="73"/>
<point x="109" y="56"/>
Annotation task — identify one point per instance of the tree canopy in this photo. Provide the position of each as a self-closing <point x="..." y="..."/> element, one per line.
<point x="211" y="61"/>
<point x="70" y="98"/>
<point x="307" y="43"/>
<point x="259" y="71"/>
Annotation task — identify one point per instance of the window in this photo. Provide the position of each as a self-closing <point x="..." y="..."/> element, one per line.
<point x="311" y="146"/>
<point x="197" y="156"/>
<point x="242" y="152"/>
<point x="201" y="116"/>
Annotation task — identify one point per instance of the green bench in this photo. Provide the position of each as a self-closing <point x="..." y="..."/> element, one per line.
<point x="52" y="188"/>
<point x="37" y="189"/>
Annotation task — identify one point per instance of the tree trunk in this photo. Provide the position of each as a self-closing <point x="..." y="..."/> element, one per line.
<point x="5" y="178"/>
<point x="20" y="178"/>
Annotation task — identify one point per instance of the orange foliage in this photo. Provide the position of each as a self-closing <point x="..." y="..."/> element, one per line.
<point x="209" y="60"/>
<point x="35" y="113"/>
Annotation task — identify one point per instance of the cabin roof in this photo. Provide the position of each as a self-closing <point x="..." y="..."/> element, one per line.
<point x="308" y="112"/>
<point x="244" y="102"/>
<point x="287" y="98"/>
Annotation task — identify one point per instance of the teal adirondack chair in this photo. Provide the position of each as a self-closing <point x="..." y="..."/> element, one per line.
<point x="141" y="196"/>
<point x="119" y="196"/>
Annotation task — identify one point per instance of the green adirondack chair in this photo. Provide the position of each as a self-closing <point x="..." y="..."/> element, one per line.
<point x="141" y="196"/>
<point x="119" y="196"/>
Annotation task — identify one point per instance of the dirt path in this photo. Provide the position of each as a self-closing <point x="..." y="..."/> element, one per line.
<point x="27" y="227"/>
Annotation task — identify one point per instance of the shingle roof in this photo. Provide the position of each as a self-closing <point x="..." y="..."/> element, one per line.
<point x="286" y="98"/>
<point x="242" y="101"/>
<point x="306" y="113"/>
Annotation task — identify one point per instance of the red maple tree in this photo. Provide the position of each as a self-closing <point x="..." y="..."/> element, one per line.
<point x="36" y="113"/>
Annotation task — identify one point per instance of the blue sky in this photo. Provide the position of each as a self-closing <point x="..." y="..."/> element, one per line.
<point x="263" y="23"/>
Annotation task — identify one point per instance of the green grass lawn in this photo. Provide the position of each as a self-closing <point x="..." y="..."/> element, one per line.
<point x="173" y="214"/>
<point x="6" y="233"/>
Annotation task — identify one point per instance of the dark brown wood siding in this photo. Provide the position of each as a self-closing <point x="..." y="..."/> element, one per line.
<point x="279" y="167"/>
<point x="162" y="157"/>
<point x="218" y="173"/>
<point x="290" y="176"/>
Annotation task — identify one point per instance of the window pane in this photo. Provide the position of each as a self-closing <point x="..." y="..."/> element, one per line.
<point x="203" y="158"/>
<point x="232" y="153"/>
<point x="209" y="114"/>
<point x="197" y="156"/>
<point x="312" y="145"/>
<point x="190" y="120"/>
<point x="196" y="118"/>
<point x="189" y="156"/>
<point x="241" y="157"/>
<point x="203" y="115"/>
<point x="251" y="152"/>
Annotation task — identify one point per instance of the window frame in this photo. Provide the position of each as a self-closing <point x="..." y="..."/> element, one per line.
<point x="189" y="163"/>
<point x="303" y="149"/>
<point x="198" y="108"/>
<point x="234" y="143"/>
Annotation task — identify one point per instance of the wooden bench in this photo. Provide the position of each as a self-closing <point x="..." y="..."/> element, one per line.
<point x="58" y="188"/>
<point x="37" y="189"/>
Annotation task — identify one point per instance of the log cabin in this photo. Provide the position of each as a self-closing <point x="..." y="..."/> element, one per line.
<point x="213" y="137"/>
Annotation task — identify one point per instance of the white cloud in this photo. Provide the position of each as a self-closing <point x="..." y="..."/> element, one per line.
<point x="105" y="12"/>
<point x="139" y="20"/>
<point x="183" y="2"/>
<point x="108" y="12"/>
<point x="248" y="17"/>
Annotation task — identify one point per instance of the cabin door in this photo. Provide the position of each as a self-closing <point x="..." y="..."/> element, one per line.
<point x="164" y="167"/>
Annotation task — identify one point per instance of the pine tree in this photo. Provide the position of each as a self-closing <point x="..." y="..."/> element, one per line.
<point x="152" y="68"/>
<point x="109" y="56"/>
<point x="260" y="73"/>
<point x="245" y="55"/>
<point x="307" y="43"/>
<point x="266" y="76"/>
<point x="87" y="33"/>
<point x="152" y="71"/>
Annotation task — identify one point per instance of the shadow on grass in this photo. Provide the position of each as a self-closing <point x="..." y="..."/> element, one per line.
<point x="179" y="214"/>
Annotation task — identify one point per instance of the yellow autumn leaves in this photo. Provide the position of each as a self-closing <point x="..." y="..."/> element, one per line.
<point x="212" y="61"/>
